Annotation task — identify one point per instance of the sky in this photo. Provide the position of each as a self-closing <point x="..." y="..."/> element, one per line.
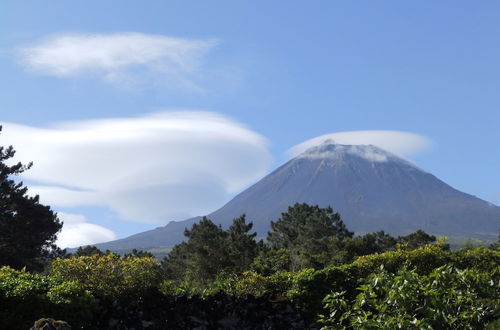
<point x="139" y="113"/>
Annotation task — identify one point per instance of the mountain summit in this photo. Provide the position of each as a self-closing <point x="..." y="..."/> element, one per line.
<point x="371" y="188"/>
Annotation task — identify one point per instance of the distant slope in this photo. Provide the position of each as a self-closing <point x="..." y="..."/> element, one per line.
<point x="371" y="188"/>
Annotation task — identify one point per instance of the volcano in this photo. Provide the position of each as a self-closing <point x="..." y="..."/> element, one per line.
<point x="371" y="188"/>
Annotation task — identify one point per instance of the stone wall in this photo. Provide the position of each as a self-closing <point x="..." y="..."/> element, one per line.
<point x="219" y="311"/>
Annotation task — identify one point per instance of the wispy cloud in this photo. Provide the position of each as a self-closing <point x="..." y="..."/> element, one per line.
<point x="404" y="144"/>
<point x="154" y="168"/>
<point x="118" y="58"/>
<point x="77" y="232"/>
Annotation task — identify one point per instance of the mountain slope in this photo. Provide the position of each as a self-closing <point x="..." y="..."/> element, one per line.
<point x="371" y="188"/>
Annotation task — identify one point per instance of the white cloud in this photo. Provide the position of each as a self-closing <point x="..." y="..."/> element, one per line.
<point x="118" y="58"/>
<point x="153" y="168"/>
<point x="403" y="144"/>
<point x="77" y="231"/>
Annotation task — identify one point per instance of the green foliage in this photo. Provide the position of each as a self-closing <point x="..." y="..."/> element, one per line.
<point x="424" y="259"/>
<point x="71" y="302"/>
<point x="416" y="240"/>
<point x="109" y="275"/>
<point x="269" y="262"/>
<point x="200" y="258"/>
<point x="311" y="286"/>
<point x="305" y="231"/>
<point x="171" y="288"/>
<point x="496" y="245"/>
<point x="479" y="258"/>
<point x="210" y="250"/>
<point x="25" y="297"/>
<point x="139" y="254"/>
<point x="241" y="246"/>
<point x="446" y="298"/>
<point x="88" y="250"/>
<point x="28" y="229"/>
<point x="255" y="284"/>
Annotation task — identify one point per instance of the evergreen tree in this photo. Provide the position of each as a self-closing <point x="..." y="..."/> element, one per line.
<point x="175" y="264"/>
<point x="306" y="227"/>
<point x="28" y="229"/>
<point x="241" y="246"/>
<point x="88" y="250"/>
<point x="138" y="254"/>
<point x="210" y="250"/>
<point x="416" y="239"/>
<point x="306" y="230"/>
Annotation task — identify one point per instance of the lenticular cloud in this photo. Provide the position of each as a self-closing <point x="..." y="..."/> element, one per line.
<point x="404" y="144"/>
<point x="153" y="168"/>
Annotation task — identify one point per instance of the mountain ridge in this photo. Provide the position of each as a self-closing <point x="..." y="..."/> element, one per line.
<point x="371" y="188"/>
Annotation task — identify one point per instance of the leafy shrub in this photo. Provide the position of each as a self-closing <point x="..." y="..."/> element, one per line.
<point x="255" y="284"/>
<point x="310" y="286"/>
<point x="169" y="288"/>
<point x="71" y="302"/>
<point x="424" y="259"/>
<point x="109" y="275"/>
<point x="25" y="297"/>
<point x="446" y="298"/>
<point x="479" y="258"/>
<point x="271" y="261"/>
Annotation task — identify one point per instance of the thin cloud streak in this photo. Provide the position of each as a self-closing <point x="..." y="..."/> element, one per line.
<point x="119" y="58"/>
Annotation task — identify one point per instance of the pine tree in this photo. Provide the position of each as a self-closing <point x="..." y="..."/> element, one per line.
<point x="28" y="229"/>
<point x="306" y="230"/>
<point x="241" y="246"/>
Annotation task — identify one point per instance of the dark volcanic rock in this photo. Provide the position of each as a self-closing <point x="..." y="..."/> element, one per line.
<point x="219" y="311"/>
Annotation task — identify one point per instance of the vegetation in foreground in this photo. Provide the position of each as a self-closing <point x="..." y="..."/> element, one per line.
<point x="310" y="258"/>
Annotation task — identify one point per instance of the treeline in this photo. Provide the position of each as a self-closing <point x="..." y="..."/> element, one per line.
<point x="305" y="236"/>
<point x="309" y="258"/>
<point x="428" y="287"/>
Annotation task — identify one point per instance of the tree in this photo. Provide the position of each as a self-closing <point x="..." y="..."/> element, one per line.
<point x="305" y="231"/>
<point x="88" y="250"/>
<point x="200" y="258"/>
<point x="241" y="246"/>
<point x="138" y="254"/>
<point x="28" y="229"/>
<point x="496" y="245"/>
<point x="416" y="239"/>
<point x="210" y="250"/>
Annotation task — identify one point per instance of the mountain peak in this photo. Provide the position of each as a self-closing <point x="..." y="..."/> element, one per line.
<point x="333" y="151"/>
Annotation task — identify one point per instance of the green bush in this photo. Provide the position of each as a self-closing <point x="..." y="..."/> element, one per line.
<point x="25" y="297"/>
<point x="446" y="298"/>
<point x="479" y="258"/>
<point x="271" y="261"/>
<point x="423" y="259"/>
<point x="109" y="275"/>
<point x="71" y="302"/>
<point x="310" y="286"/>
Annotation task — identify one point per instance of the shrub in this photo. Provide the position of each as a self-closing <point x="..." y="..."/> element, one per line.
<point x="25" y="297"/>
<point x="424" y="259"/>
<point x="271" y="261"/>
<point x="310" y="286"/>
<point x="447" y="298"/>
<point x="109" y="275"/>
<point x="479" y="258"/>
<point x="71" y="302"/>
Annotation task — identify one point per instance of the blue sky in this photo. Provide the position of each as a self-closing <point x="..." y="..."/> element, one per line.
<point x="207" y="97"/>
